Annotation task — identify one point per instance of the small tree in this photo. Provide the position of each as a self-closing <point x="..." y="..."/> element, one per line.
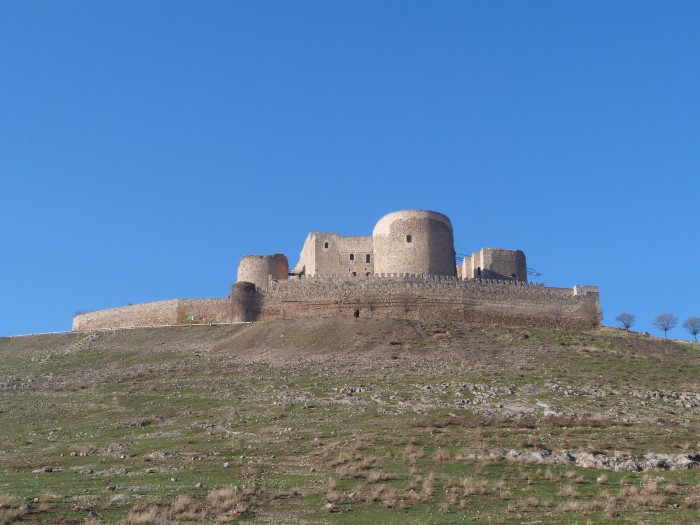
<point x="665" y="322"/>
<point x="692" y="324"/>
<point x="626" y="320"/>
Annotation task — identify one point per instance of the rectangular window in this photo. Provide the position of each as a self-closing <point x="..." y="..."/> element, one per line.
<point x="352" y="256"/>
<point x="409" y="238"/>
<point x="367" y="259"/>
<point x="325" y="245"/>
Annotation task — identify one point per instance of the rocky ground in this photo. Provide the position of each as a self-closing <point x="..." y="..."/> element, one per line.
<point x="353" y="421"/>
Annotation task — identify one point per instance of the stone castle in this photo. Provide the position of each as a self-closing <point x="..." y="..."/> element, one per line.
<point x="405" y="269"/>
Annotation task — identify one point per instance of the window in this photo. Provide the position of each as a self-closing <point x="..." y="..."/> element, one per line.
<point x="352" y="256"/>
<point x="367" y="258"/>
<point x="409" y="238"/>
<point x="325" y="244"/>
<point x="356" y="313"/>
<point x="478" y="270"/>
<point x="367" y="274"/>
<point x="354" y="274"/>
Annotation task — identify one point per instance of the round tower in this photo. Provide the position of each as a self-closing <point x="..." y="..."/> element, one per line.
<point x="414" y="242"/>
<point x="257" y="269"/>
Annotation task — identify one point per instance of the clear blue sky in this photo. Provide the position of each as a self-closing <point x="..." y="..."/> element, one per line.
<point x="145" y="146"/>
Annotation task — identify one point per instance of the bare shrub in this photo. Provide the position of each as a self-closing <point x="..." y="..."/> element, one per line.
<point x="181" y="314"/>
<point x="626" y="320"/>
<point x="692" y="325"/>
<point x="6" y="501"/>
<point x="665" y="322"/>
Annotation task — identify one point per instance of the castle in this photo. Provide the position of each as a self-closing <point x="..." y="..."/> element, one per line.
<point x="405" y="269"/>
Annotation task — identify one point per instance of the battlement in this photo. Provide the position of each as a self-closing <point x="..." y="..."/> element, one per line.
<point x="435" y="297"/>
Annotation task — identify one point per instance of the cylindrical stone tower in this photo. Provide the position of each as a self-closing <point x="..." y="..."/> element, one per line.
<point x="257" y="269"/>
<point x="414" y="242"/>
<point x="244" y="302"/>
<point x="497" y="263"/>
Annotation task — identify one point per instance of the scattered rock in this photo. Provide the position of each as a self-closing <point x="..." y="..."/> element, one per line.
<point x="46" y="470"/>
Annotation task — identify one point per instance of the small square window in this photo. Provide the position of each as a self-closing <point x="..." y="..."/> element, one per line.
<point x="409" y="238"/>
<point x="352" y="256"/>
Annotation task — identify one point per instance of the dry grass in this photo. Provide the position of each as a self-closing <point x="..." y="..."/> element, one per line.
<point x="231" y="500"/>
<point x="692" y="501"/>
<point x="185" y="507"/>
<point x="569" y="491"/>
<point x="428" y="489"/>
<point x="11" y="515"/>
<point x="83" y="450"/>
<point x="580" y="507"/>
<point x="145" y="515"/>
<point x="572" y="475"/>
<point x="375" y="476"/>
<point x="6" y="501"/>
<point x="411" y="454"/>
<point x="442" y="455"/>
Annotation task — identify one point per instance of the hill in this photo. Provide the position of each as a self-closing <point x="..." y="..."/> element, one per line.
<point x="349" y="421"/>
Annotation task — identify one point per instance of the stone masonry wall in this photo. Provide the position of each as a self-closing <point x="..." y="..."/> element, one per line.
<point x="433" y="298"/>
<point x="158" y="313"/>
<point x="436" y="298"/>
<point x="497" y="263"/>
<point x="333" y="254"/>
<point x="414" y="241"/>
<point x="256" y="269"/>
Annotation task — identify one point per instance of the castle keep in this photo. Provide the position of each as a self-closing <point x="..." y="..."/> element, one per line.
<point x="405" y="269"/>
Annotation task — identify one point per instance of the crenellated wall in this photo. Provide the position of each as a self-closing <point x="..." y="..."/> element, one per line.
<point x="433" y="298"/>
<point x="403" y="296"/>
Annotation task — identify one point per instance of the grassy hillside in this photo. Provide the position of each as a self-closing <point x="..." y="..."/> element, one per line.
<point x="349" y="421"/>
